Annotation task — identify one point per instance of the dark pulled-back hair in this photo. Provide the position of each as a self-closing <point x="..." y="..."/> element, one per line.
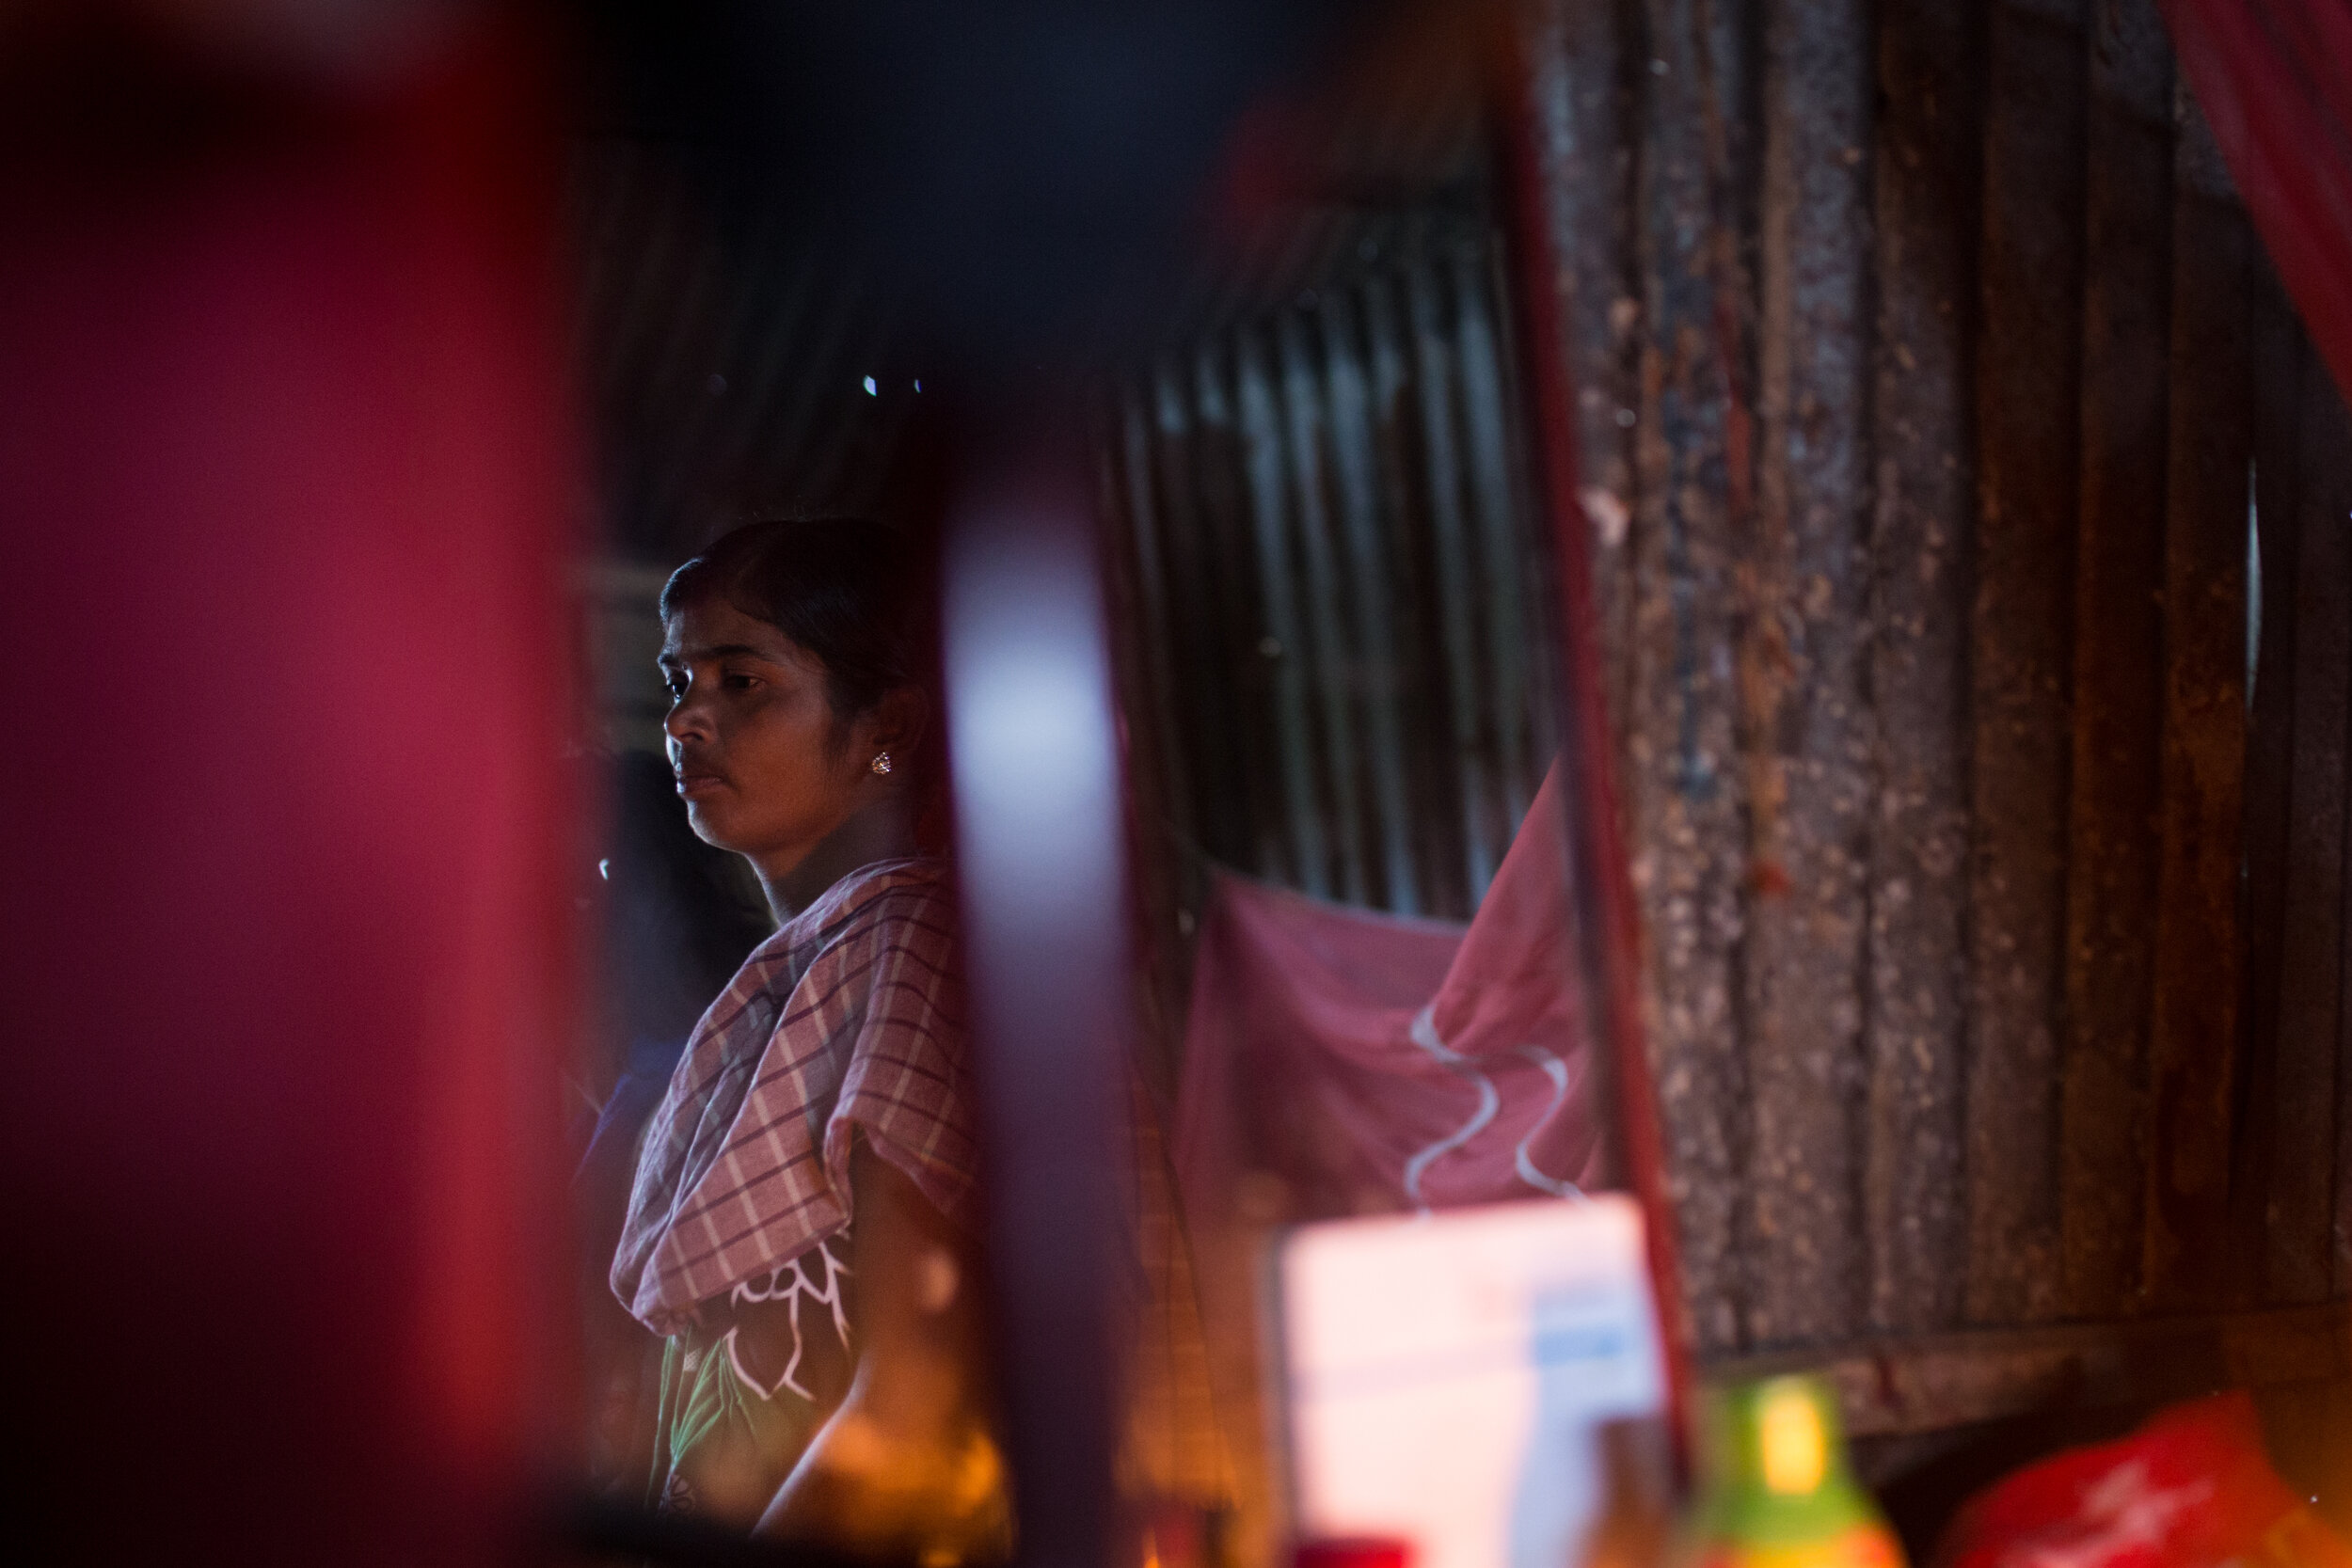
<point x="840" y="587"/>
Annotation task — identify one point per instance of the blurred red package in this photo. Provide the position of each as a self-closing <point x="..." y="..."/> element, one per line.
<point x="2193" y="1488"/>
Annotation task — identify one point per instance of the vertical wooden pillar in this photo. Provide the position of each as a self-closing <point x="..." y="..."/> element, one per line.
<point x="1803" y="707"/>
<point x="2298" y="1212"/>
<point x="2277" y="351"/>
<point x="2028" y="387"/>
<point x="2118" y="676"/>
<point x="1693" y="477"/>
<point x="1928" y="170"/>
<point x="2194" y="1012"/>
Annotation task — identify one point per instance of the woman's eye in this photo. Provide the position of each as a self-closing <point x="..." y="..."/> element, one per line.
<point x="734" y="681"/>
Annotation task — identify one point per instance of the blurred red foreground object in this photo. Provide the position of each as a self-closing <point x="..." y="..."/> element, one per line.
<point x="1353" y="1551"/>
<point x="287" y="912"/>
<point x="2191" y="1489"/>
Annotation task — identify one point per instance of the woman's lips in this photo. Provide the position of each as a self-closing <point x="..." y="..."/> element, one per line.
<point x="692" y="785"/>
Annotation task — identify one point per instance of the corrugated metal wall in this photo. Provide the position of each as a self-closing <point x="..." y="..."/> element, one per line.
<point x="726" y="360"/>
<point x="1334" y="607"/>
<point x="1929" y="373"/>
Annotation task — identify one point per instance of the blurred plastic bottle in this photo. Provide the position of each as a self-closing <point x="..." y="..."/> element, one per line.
<point x="1775" y="1489"/>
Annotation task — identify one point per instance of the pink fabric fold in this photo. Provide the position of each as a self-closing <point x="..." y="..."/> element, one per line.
<point x="2274" y="78"/>
<point x="1371" y="1063"/>
<point x="848" y="1019"/>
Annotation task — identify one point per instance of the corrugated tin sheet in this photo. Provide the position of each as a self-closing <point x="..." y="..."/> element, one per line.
<point x="1336" y="590"/>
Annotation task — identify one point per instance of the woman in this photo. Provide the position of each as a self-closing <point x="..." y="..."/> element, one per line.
<point x="797" y="1227"/>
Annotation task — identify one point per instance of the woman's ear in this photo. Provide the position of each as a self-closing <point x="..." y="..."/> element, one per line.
<point x="902" y="720"/>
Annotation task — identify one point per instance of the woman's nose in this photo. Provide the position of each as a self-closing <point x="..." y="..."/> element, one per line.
<point x="686" y="720"/>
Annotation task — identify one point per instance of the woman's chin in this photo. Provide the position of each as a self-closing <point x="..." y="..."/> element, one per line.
<point x="710" y="825"/>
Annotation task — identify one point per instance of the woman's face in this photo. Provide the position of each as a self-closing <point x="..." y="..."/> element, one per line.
<point x="764" y="767"/>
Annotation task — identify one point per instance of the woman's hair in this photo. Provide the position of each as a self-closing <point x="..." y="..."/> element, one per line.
<point x="836" y="586"/>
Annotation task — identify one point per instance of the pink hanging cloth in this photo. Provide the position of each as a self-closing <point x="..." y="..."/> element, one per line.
<point x="1373" y="1063"/>
<point x="2274" y="78"/>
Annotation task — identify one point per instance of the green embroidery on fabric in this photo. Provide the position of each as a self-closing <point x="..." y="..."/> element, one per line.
<point x="706" y="1411"/>
<point x="713" y="1396"/>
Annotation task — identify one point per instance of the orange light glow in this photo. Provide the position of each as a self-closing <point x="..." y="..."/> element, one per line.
<point x="1795" y="1452"/>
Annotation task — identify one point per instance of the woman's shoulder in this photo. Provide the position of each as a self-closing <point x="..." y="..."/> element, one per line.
<point x="910" y="901"/>
<point x="890" y="898"/>
<point x="890" y="938"/>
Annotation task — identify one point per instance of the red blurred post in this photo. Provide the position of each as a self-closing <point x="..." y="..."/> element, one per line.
<point x="286" y="857"/>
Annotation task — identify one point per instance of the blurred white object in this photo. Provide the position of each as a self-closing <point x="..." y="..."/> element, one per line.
<point x="1446" y="1374"/>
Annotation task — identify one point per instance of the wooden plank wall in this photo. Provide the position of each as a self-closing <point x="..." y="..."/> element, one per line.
<point x="1932" y="387"/>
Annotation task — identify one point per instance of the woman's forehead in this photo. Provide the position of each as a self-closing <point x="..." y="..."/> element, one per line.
<point x="710" y="626"/>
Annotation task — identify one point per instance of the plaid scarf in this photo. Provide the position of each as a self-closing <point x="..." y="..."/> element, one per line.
<point x="849" y="1017"/>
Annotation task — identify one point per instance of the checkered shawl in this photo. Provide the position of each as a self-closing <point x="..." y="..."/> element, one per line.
<point x="850" y="1017"/>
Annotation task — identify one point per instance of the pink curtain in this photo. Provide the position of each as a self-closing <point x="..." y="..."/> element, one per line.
<point x="1368" y="1063"/>
<point x="2274" y="78"/>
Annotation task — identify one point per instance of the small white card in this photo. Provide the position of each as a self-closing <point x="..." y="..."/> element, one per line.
<point x="1446" y="1373"/>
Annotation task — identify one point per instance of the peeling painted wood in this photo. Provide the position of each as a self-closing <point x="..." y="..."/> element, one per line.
<point x="1956" y="1379"/>
<point x="1586" y="61"/>
<point x="2194" y="1012"/>
<point x="1928" y="171"/>
<point x="2278" y="355"/>
<point x="2028" y="421"/>
<point x="2118" y="679"/>
<point x="2326" y="478"/>
<point x="2298" y="1262"/>
<point x="1694" y="481"/>
<point x="1803" y="707"/>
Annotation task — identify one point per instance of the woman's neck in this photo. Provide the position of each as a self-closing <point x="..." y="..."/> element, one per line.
<point x="879" y="830"/>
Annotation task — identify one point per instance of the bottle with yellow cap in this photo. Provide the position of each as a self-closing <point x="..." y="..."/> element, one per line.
<point x="1775" y="1491"/>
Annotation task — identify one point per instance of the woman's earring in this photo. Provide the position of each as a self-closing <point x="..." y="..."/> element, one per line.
<point x="881" y="762"/>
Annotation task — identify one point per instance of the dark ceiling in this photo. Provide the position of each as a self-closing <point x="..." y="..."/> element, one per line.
<point x="787" y="219"/>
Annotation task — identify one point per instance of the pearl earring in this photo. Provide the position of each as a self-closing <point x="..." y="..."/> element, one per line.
<point x="881" y="762"/>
